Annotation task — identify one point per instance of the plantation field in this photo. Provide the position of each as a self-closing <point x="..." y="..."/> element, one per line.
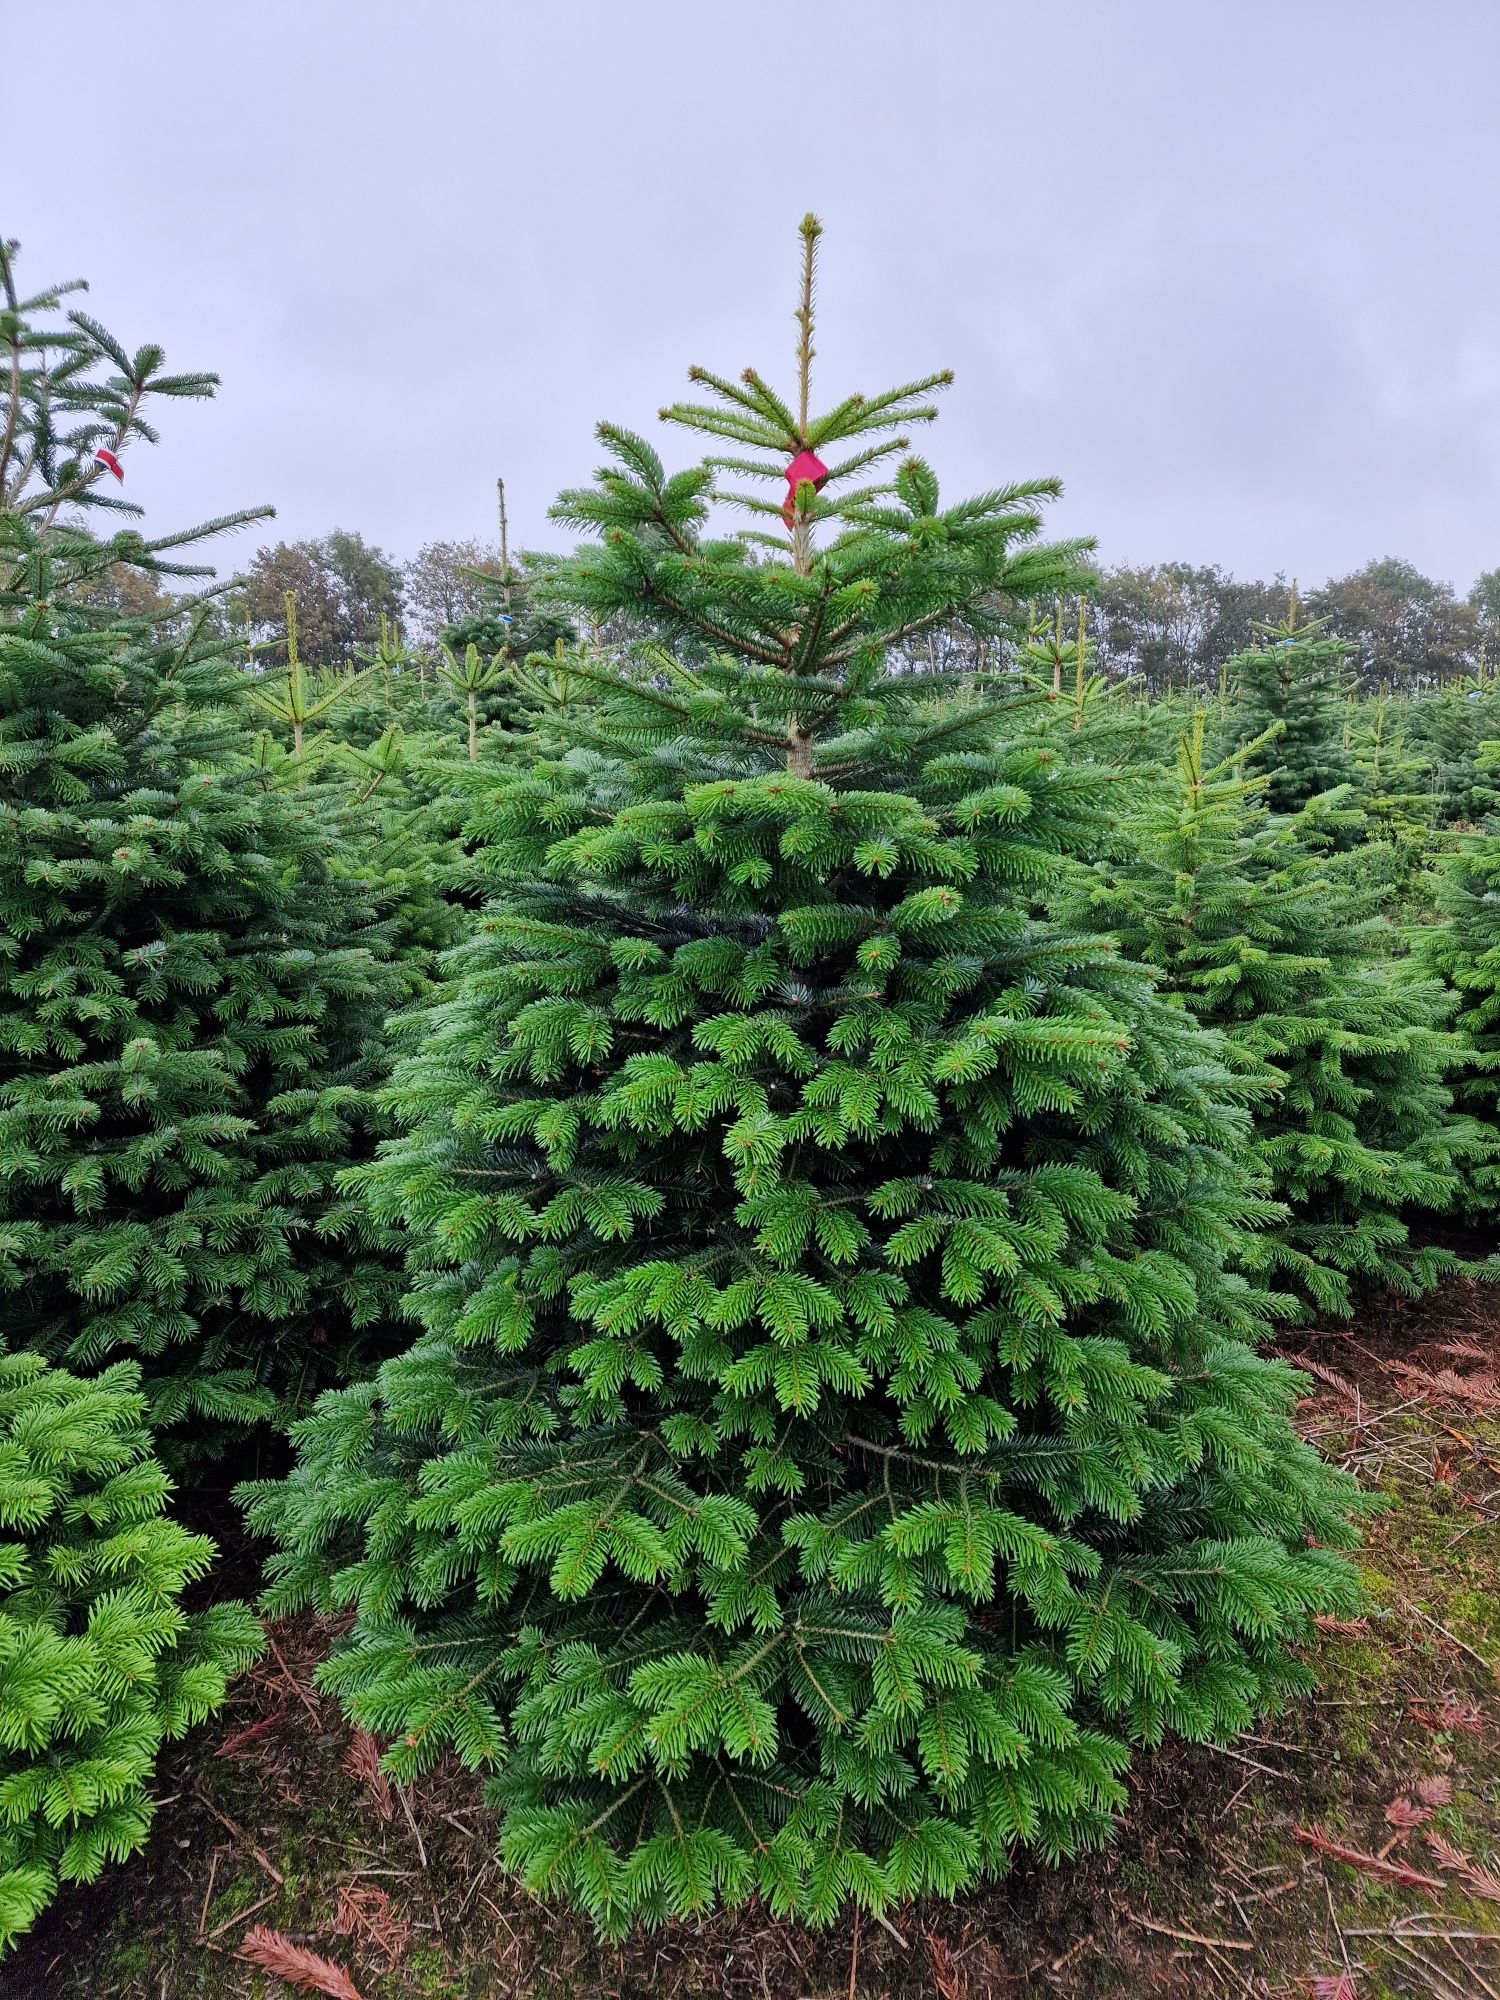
<point x="270" y="1816"/>
<point x="741" y="1276"/>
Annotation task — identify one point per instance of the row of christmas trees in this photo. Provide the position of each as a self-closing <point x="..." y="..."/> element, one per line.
<point x="754" y="1171"/>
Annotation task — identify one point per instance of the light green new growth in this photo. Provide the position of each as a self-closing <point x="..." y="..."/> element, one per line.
<point x="297" y="704"/>
<point x="99" y="1664"/>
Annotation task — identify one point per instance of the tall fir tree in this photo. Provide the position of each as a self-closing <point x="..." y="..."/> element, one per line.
<point x="1237" y="911"/>
<point x="836" y="1432"/>
<point x="192" y="979"/>
<point x="1296" y="677"/>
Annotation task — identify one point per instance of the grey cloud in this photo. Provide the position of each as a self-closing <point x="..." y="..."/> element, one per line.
<point x="1231" y="271"/>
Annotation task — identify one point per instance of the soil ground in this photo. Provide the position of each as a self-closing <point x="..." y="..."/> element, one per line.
<point x="1349" y="1849"/>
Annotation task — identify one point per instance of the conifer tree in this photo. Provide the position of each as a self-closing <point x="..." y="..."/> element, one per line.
<point x="1104" y="718"/>
<point x="379" y="792"/>
<point x="1236" y="910"/>
<point x="513" y="622"/>
<point x="1400" y="841"/>
<point x="1463" y="950"/>
<point x="293" y="699"/>
<point x="835" y="1432"/>
<point x="191" y="984"/>
<point x="99" y="1664"/>
<point x="1296" y="677"/>
<point x="1448" y="728"/>
<point x="471" y="677"/>
<point x="403" y="821"/>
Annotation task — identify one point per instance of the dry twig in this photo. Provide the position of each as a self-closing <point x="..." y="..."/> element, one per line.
<point x="1188" y="1937"/>
<point x="1368" y="1864"/>
<point x="1482" y="1881"/>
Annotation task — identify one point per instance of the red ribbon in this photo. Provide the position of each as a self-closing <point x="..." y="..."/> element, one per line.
<point x="805" y="466"/>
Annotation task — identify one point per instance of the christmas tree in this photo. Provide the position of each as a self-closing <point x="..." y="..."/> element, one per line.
<point x="1448" y="728"/>
<point x="379" y="790"/>
<point x="99" y="1664"/>
<point x="1296" y="680"/>
<point x="836" y="1433"/>
<point x="1464" y="952"/>
<point x="1395" y="857"/>
<point x="1238" y="912"/>
<point x="482" y="658"/>
<point x="192" y="974"/>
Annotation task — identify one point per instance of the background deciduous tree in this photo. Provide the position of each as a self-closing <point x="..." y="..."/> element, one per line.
<point x="342" y="584"/>
<point x="1406" y="629"/>
<point x="444" y="585"/>
<point x="1175" y="625"/>
<point x="1484" y="601"/>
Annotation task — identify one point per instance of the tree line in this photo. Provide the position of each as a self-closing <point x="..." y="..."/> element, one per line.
<point x="1169" y="625"/>
<point x="1174" y="625"/>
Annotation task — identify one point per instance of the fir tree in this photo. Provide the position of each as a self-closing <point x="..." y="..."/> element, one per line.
<point x="380" y="791"/>
<point x="1395" y="858"/>
<point x="835" y="1433"/>
<point x="405" y="820"/>
<point x="1296" y="677"/>
<point x="512" y="624"/>
<point x="470" y="677"/>
<point x="191" y="986"/>
<point x="1236" y="911"/>
<point x="293" y="698"/>
<point x="1464" y="951"/>
<point x="99" y="1664"/>
<point x="1448" y="728"/>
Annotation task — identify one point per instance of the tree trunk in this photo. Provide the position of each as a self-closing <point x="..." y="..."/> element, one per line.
<point x="799" y="743"/>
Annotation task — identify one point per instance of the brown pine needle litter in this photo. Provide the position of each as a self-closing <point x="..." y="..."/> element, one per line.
<point x="297" y="1966"/>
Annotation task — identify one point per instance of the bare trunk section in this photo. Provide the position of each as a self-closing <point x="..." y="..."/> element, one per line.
<point x="799" y="742"/>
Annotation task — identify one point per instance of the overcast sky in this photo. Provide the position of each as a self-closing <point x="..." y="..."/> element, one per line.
<point x="1230" y="268"/>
